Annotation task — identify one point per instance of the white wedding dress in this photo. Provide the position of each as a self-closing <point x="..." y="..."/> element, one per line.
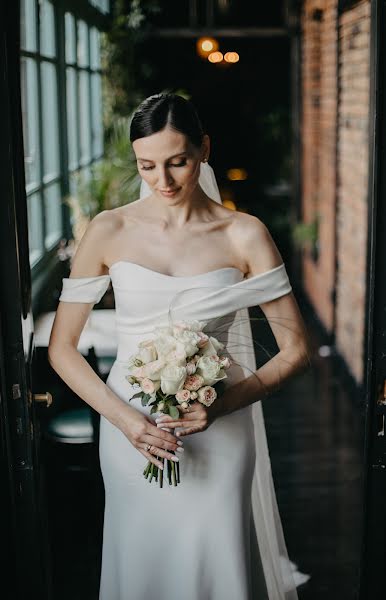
<point x="217" y="535"/>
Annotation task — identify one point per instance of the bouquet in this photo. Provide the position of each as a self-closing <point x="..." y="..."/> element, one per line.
<point x="180" y="365"/>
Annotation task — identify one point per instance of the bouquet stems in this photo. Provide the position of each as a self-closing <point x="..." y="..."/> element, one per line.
<point x="151" y="472"/>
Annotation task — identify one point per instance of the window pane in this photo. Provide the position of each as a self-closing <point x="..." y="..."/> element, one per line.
<point x="53" y="210"/>
<point x="97" y="125"/>
<point x="85" y="134"/>
<point x="30" y="117"/>
<point x="83" y="58"/>
<point x="70" y="32"/>
<point x="95" y="61"/>
<point x="47" y="29"/>
<point x="35" y="227"/>
<point x="50" y="121"/>
<point x="72" y="119"/>
<point x="28" y="25"/>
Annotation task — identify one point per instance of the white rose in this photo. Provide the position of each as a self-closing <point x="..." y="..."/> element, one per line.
<point x="190" y="341"/>
<point x="177" y="356"/>
<point x="165" y="344"/>
<point x="160" y="406"/>
<point x="172" y="379"/>
<point x="153" y="369"/>
<point x="147" y="352"/>
<point x="193" y="395"/>
<point x="210" y="370"/>
<point x="211" y="347"/>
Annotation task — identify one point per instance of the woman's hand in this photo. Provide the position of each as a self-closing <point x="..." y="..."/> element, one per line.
<point x="197" y="417"/>
<point x="141" y="431"/>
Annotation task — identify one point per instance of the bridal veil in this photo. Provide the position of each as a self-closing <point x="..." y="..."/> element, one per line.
<point x="280" y="573"/>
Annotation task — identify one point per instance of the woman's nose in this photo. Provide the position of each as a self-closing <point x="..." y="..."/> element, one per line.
<point x="164" y="178"/>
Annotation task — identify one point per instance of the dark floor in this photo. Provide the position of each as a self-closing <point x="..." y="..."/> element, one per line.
<point x="315" y="436"/>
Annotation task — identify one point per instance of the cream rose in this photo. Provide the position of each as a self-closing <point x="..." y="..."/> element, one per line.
<point x="147" y="352"/>
<point x="183" y="396"/>
<point x="177" y="356"/>
<point x="154" y="369"/>
<point x="191" y="367"/>
<point x="210" y="370"/>
<point x="172" y="379"/>
<point x="165" y="344"/>
<point x="194" y="382"/>
<point x="207" y="395"/>
<point x="189" y="339"/>
<point x="148" y="386"/>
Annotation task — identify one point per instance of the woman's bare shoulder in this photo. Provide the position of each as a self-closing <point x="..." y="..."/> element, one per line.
<point x="90" y="256"/>
<point x="255" y="244"/>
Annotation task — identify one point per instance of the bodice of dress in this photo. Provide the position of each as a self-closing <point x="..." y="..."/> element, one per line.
<point x="145" y="298"/>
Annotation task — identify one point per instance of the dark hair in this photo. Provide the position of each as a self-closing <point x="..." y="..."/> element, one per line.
<point x="159" y="110"/>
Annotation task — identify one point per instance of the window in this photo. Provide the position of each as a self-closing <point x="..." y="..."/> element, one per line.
<point x="62" y="112"/>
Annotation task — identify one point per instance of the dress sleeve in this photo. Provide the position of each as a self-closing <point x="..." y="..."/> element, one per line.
<point x="84" y="289"/>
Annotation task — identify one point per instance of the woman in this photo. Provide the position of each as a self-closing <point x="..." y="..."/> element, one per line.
<point x="197" y="541"/>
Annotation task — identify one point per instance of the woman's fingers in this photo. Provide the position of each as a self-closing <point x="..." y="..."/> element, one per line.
<point x="154" y="440"/>
<point x="151" y="458"/>
<point x="156" y="451"/>
<point x="160" y="433"/>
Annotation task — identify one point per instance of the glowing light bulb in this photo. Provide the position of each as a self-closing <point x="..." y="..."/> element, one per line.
<point x="231" y="57"/>
<point x="205" y="45"/>
<point x="237" y="174"/>
<point x="215" y="57"/>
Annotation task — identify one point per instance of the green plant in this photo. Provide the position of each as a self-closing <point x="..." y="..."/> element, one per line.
<point x="111" y="182"/>
<point x="306" y="235"/>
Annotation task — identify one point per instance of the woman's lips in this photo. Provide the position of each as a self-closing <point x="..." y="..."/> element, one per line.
<point x="170" y="193"/>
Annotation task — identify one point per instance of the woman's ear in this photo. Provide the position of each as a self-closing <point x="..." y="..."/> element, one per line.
<point x="205" y="148"/>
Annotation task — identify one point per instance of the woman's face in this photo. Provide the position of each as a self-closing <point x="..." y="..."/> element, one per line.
<point x="170" y="163"/>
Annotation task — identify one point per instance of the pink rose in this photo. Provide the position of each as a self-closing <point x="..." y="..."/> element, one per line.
<point x="193" y="382"/>
<point x="203" y="339"/>
<point x="148" y="386"/>
<point x="207" y="395"/>
<point x="225" y="362"/>
<point x="182" y="396"/>
<point x="191" y="367"/>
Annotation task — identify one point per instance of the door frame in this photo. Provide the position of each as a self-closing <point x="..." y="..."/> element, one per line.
<point x="27" y="551"/>
<point x="372" y="578"/>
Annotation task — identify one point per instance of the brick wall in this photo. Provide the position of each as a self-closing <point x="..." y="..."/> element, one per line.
<point x="319" y="114"/>
<point x="354" y="32"/>
<point x="334" y="166"/>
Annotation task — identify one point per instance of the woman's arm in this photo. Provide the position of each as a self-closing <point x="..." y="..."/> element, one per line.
<point x="283" y="315"/>
<point x="73" y="368"/>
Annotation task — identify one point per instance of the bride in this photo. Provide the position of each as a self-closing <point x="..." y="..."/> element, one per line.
<point x="218" y="535"/>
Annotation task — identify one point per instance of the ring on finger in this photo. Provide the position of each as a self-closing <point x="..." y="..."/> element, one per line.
<point x="148" y="447"/>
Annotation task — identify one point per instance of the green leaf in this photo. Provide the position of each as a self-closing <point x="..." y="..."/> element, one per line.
<point x="145" y="399"/>
<point x="174" y="412"/>
<point x="153" y="409"/>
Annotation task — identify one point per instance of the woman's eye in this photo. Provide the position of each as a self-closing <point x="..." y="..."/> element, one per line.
<point x="180" y="164"/>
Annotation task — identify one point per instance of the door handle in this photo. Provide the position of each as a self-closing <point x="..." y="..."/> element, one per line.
<point x="47" y="397"/>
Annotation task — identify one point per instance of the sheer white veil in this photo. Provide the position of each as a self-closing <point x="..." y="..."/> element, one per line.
<point x="281" y="574"/>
